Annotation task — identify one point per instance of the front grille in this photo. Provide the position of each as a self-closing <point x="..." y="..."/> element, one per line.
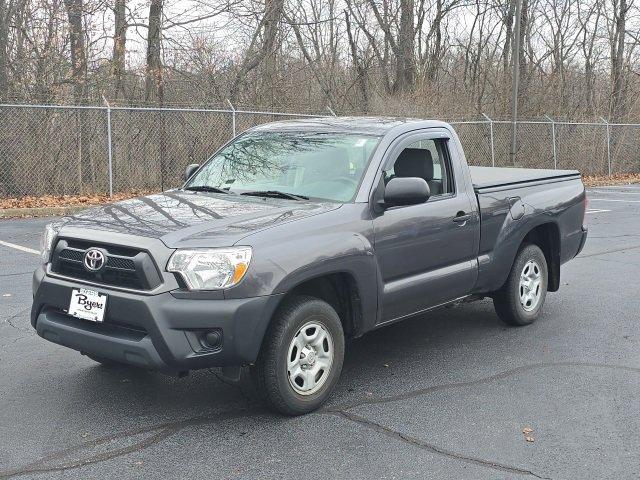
<point x="124" y="267"/>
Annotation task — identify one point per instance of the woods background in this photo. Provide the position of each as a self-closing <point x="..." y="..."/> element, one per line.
<point x="448" y="59"/>
<point x="444" y="58"/>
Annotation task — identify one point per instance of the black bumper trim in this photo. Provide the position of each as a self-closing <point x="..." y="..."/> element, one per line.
<point x="156" y="327"/>
<point x="139" y="351"/>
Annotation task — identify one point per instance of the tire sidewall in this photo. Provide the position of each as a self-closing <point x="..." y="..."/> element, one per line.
<point x="530" y="252"/>
<point x="322" y="313"/>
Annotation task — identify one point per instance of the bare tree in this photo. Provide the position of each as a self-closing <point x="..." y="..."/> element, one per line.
<point x="119" y="47"/>
<point x="154" y="76"/>
<point x="77" y="47"/>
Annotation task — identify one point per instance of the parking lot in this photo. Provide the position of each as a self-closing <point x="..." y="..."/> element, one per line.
<point x="446" y="395"/>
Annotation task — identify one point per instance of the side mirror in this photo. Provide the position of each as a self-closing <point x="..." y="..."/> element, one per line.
<point x="406" y="191"/>
<point x="190" y="170"/>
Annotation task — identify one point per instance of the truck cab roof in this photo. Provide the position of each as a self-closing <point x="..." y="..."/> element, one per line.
<point x="361" y="125"/>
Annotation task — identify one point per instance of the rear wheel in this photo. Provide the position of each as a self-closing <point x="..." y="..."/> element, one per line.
<point x="301" y="358"/>
<point x="521" y="298"/>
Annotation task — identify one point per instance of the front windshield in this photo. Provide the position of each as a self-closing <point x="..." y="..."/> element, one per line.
<point x="315" y="165"/>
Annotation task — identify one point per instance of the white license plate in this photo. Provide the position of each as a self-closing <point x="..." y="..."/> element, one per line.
<point x="87" y="304"/>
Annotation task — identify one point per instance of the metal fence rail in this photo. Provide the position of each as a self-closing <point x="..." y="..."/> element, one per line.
<point x="60" y="150"/>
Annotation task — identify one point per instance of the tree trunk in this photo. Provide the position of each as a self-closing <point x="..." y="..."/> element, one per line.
<point x="4" y="40"/>
<point x="119" y="47"/>
<point x="617" y="104"/>
<point x="273" y="17"/>
<point x="508" y="22"/>
<point x="269" y="27"/>
<point x="153" y="80"/>
<point x="78" y="55"/>
<point x="360" y="71"/>
<point x="75" y="11"/>
<point x="405" y="61"/>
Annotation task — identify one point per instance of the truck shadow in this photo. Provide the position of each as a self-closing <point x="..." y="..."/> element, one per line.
<point x="391" y="356"/>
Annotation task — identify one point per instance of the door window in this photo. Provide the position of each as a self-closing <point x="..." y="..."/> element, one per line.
<point x="427" y="159"/>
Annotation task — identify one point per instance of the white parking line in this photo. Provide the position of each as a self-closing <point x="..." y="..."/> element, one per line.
<point x="611" y="192"/>
<point x="596" y="210"/>
<point x="20" y="247"/>
<point x="612" y="200"/>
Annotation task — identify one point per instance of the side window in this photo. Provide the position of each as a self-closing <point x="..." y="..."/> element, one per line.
<point x="428" y="159"/>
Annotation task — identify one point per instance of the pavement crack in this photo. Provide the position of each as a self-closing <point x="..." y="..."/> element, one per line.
<point x="16" y="274"/>
<point x="389" y="432"/>
<point x="58" y="461"/>
<point x="476" y="382"/>
<point x="15" y="316"/>
<point x="605" y="252"/>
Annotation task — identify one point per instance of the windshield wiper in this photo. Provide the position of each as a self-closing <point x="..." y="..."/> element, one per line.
<point x="276" y="194"/>
<point x="206" y="188"/>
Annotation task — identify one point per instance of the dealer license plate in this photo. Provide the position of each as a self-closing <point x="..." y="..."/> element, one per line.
<point x="87" y="304"/>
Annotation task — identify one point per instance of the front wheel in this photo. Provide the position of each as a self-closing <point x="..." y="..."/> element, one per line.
<point x="301" y="357"/>
<point x="521" y="298"/>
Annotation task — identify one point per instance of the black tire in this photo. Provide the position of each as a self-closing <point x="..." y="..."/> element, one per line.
<point x="270" y="371"/>
<point x="507" y="302"/>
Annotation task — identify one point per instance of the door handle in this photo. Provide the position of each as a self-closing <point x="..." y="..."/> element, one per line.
<point x="462" y="218"/>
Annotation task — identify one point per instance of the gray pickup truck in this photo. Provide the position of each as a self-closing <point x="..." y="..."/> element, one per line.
<point x="296" y="236"/>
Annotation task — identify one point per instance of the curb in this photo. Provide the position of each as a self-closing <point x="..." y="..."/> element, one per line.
<point x="41" y="211"/>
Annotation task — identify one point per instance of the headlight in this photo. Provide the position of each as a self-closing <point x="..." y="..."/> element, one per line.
<point x="211" y="268"/>
<point x="47" y="240"/>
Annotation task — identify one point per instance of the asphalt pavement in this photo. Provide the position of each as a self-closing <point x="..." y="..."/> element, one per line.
<point x="446" y="395"/>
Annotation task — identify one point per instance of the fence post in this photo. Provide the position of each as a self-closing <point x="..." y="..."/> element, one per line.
<point x="493" y="150"/>
<point x="233" y="117"/>
<point x="109" y="151"/>
<point x="553" y="140"/>
<point x="333" y="114"/>
<point x="608" y="144"/>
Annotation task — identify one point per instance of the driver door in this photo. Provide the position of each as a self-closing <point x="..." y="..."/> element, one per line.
<point x="425" y="254"/>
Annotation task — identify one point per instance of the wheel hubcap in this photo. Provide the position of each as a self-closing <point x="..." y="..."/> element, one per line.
<point x="530" y="285"/>
<point x="310" y="358"/>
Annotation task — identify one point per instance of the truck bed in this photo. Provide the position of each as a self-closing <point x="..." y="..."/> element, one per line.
<point x="491" y="177"/>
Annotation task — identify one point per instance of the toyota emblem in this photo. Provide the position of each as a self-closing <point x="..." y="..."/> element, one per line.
<point x="93" y="260"/>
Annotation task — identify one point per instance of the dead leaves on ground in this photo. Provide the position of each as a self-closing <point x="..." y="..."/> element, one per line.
<point x="615" y="179"/>
<point x="48" y="201"/>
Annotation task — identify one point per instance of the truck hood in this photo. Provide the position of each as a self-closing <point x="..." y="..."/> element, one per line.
<point x="190" y="219"/>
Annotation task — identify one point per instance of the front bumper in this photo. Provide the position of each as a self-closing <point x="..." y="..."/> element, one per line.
<point x="158" y="332"/>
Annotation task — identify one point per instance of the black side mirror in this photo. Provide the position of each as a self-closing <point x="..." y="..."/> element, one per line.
<point x="406" y="191"/>
<point x="190" y="170"/>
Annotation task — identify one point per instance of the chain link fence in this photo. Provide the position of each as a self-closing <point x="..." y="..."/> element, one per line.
<point x="58" y="150"/>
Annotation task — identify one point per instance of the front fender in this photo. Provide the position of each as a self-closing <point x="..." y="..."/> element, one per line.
<point x="280" y="264"/>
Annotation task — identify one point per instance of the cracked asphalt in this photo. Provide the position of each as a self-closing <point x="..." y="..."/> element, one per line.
<point x="445" y="395"/>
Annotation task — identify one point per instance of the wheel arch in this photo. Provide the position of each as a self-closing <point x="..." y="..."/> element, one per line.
<point x="547" y="237"/>
<point x="341" y="290"/>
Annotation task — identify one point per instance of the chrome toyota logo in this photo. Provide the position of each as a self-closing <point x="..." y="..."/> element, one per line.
<point x="93" y="259"/>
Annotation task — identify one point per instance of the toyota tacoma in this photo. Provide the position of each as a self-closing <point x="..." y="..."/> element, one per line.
<point x="296" y="236"/>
